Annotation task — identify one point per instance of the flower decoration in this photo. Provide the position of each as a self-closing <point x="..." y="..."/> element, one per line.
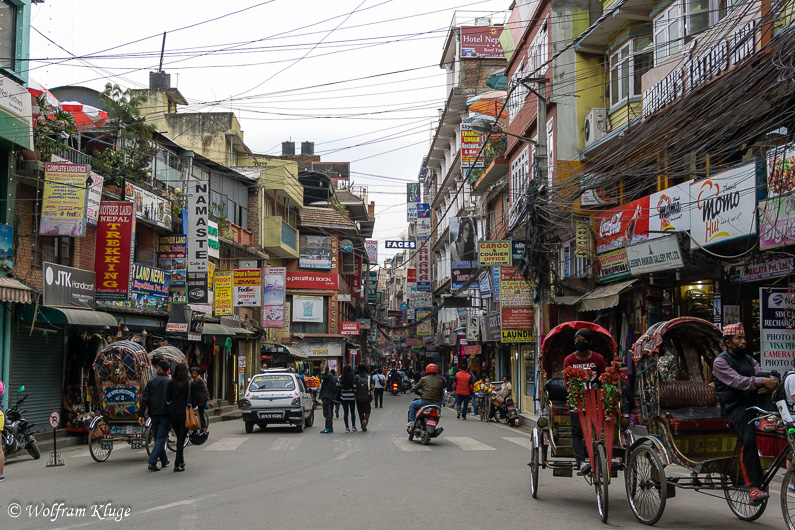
<point x="575" y="385"/>
<point x="611" y="388"/>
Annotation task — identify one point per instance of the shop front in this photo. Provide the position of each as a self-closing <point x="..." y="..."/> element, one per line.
<point x="320" y="352"/>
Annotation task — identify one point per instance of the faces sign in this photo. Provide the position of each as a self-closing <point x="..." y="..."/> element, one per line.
<point x="401" y="244"/>
<point x="113" y="250"/>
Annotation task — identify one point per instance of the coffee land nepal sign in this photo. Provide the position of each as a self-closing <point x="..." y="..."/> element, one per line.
<point x="777" y="324"/>
<point x="723" y="206"/>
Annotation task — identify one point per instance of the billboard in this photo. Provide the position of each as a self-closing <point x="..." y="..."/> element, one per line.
<point x="315" y="252"/>
<point x="308" y="309"/>
<point x="777" y="221"/>
<point x="247" y="287"/>
<point x="371" y="246"/>
<point x="471" y="153"/>
<point x="171" y="257"/>
<point x="113" y="250"/>
<point x="67" y="287"/>
<point x="491" y="253"/>
<point x="149" y="206"/>
<point x="463" y="249"/>
<point x="781" y="171"/>
<point x="150" y="287"/>
<point x="312" y="280"/>
<point x="222" y="287"/>
<point x="777" y="340"/>
<point x="63" y="210"/>
<point x="481" y="41"/>
<point x="274" y="283"/>
<point x="622" y="226"/>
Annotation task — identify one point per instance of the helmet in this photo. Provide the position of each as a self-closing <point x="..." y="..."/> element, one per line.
<point x="431" y="369"/>
<point x="199" y="437"/>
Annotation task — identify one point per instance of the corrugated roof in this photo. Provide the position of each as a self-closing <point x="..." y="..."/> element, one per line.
<point x="312" y="216"/>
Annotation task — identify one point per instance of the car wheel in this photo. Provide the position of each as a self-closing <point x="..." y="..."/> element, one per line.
<point x="300" y="426"/>
<point x="310" y="420"/>
<point x="249" y="427"/>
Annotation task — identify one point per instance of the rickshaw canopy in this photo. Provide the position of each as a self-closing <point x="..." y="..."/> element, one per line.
<point x="704" y="334"/>
<point x="559" y="343"/>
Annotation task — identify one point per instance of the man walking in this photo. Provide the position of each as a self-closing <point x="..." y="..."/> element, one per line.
<point x="464" y="384"/>
<point x="379" y="384"/>
<point x="201" y="394"/>
<point x="328" y="387"/>
<point x="154" y="401"/>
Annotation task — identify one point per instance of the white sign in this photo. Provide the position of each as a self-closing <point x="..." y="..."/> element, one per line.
<point x="197" y="230"/>
<point x="55" y="419"/>
<point x="777" y="344"/>
<point x="401" y="244"/>
<point x="214" y="247"/>
<point x="343" y="297"/>
<point x="668" y="210"/>
<point x="654" y="255"/>
<point x="372" y="251"/>
<point x="411" y="211"/>
<point x="723" y="207"/>
<point x="423" y="229"/>
<point x="247" y="295"/>
<point x="308" y="309"/>
<point x="321" y="349"/>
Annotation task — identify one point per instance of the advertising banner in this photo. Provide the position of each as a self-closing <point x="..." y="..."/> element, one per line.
<point x="224" y="302"/>
<point x="517" y="317"/>
<point x="372" y="288"/>
<point x="424" y="268"/>
<point x="274" y="283"/>
<point x="470" y="148"/>
<point x="668" y="210"/>
<point x="149" y="287"/>
<point x="622" y="226"/>
<point x="67" y="287"/>
<point x="463" y="249"/>
<point x="516" y="336"/>
<point x="654" y="255"/>
<point x="364" y="323"/>
<point x="583" y="239"/>
<point x="496" y="283"/>
<point x="150" y="206"/>
<point x="413" y="192"/>
<point x="349" y="328"/>
<point x="312" y="280"/>
<point x="356" y="279"/>
<point x="314" y="252"/>
<point x="777" y="320"/>
<point x="491" y="253"/>
<point x="171" y="257"/>
<point x="6" y="241"/>
<point x="424" y="229"/>
<point x="371" y="246"/>
<point x="484" y="281"/>
<point x="424" y="326"/>
<point x="493" y="327"/>
<point x="723" y="207"/>
<point x="423" y="210"/>
<point x="400" y="244"/>
<point x="197" y="229"/>
<point x="308" y="309"/>
<point x="777" y="222"/>
<point x="94" y="198"/>
<point x="113" y="250"/>
<point x="481" y="41"/>
<point x="213" y="246"/>
<point x="198" y="288"/>
<point x="247" y="287"/>
<point x="411" y="212"/>
<point x="420" y="300"/>
<point x="780" y="171"/>
<point x="613" y="266"/>
<point x="63" y="210"/>
<point x="762" y="267"/>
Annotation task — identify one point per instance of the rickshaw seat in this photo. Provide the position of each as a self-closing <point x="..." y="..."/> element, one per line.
<point x="556" y="390"/>
<point x="689" y="419"/>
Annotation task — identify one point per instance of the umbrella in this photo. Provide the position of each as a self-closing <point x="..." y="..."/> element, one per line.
<point x="37" y="90"/>
<point x="86" y="116"/>
<point x="498" y="80"/>
<point x="488" y="103"/>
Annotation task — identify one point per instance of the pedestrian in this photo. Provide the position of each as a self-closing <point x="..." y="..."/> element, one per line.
<point x="263" y="366"/>
<point x="379" y="384"/>
<point x="441" y="378"/>
<point x="328" y="387"/>
<point x="463" y="391"/>
<point x="2" y="426"/>
<point x="201" y="395"/>
<point x="177" y="400"/>
<point x="364" y="395"/>
<point x="337" y="403"/>
<point x="348" y="396"/>
<point x="154" y="401"/>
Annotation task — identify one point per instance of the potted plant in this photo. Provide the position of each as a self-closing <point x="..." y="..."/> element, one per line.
<point x="50" y="126"/>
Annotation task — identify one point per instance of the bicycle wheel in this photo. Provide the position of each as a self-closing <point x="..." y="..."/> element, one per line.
<point x="149" y="440"/>
<point x="535" y="465"/>
<point x="645" y="484"/>
<point x="601" y="479"/>
<point x="788" y="499"/>
<point x="100" y="449"/>
<point x="740" y="502"/>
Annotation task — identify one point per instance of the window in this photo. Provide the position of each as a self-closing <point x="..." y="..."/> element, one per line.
<point x="668" y="32"/>
<point x="520" y="174"/>
<point x="518" y="94"/>
<point x="145" y="256"/>
<point x="570" y="265"/>
<point x="538" y="53"/>
<point x="685" y="18"/>
<point x="702" y="14"/>
<point x="54" y="250"/>
<point x="8" y="34"/>
<point x="627" y="66"/>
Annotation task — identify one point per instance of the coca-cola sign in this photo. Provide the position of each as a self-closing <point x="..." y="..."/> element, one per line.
<point x="622" y="226"/>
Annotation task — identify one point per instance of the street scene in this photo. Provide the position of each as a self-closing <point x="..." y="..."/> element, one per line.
<point x="368" y="263"/>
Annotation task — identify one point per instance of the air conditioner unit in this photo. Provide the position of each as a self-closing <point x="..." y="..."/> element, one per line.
<point x="596" y="126"/>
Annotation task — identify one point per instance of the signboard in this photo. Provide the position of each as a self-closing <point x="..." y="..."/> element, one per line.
<point x="423" y="210"/>
<point x="413" y="192"/>
<point x="346" y="246"/>
<point x="516" y="336"/>
<point x="356" y="279"/>
<point x="491" y="253"/>
<point x="171" y="256"/>
<point x="471" y="350"/>
<point x="493" y="326"/>
<point x="247" y="287"/>
<point x="470" y="148"/>
<point x="315" y="252"/>
<point x="424" y="328"/>
<point x="723" y="207"/>
<point x="349" y="328"/>
<point x="424" y="268"/>
<point x="762" y="267"/>
<point x="781" y="171"/>
<point x="654" y="255"/>
<point x="94" y="198"/>
<point x="342" y="297"/>
<point x="400" y="244"/>
<point x="481" y="41"/>
<point x="463" y="250"/>
<point x="308" y="309"/>
<point x="274" y="283"/>
<point x="517" y="317"/>
<point x="198" y="287"/>
<point x="337" y="171"/>
<point x="777" y="222"/>
<point x="322" y="349"/>
<point x="371" y="247"/>
<point x="284" y="333"/>
<point x="151" y="207"/>
<point x="312" y="280"/>
<point x="213" y="246"/>
<point x="668" y="210"/>
<point x="113" y="250"/>
<point x="484" y="281"/>
<point x="777" y="340"/>
<point x="364" y="323"/>
<point x="63" y="210"/>
<point x="622" y="226"/>
<point x="67" y="287"/>
<point x="472" y="328"/>
<point x="149" y="287"/>
<point x="197" y="229"/>
<point x="6" y="241"/>
<point x="224" y="301"/>
<point x="372" y="288"/>
<point x="613" y="266"/>
<point x="411" y="212"/>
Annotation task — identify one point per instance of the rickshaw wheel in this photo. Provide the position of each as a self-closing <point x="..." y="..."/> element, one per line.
<point x="535" y="465"/>
<point x="601" y="479"/>
<point x="149" y="440"/>
<point x="644" y="480"/>
<point x="788" y="499"/>
<point x="98" y="431"/>
<point x="740" y="502"/>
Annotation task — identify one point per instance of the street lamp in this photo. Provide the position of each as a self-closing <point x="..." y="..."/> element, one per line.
<point x="482" y="127"/>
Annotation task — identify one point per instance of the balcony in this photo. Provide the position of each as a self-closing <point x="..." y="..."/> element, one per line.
<point x="279" y="238"/>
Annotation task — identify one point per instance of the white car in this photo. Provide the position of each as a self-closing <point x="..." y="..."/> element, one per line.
<point x="277" y="396"/>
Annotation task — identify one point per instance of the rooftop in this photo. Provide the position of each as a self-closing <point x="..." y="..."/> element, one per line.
<point x="325" y="217"/>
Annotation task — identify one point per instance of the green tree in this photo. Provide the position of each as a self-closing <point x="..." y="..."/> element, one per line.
<point x="51" y="127"/>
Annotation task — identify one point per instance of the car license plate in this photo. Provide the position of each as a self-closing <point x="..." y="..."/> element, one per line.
<point x="271" y="415"/>
<point x="430" y="423"/>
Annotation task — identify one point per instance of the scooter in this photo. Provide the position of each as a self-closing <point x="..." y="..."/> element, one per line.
<point x="426" y="424"/>
<point x="506" y="412"/>
<point x="16" y="434"/>
<point x="394" y="388"/>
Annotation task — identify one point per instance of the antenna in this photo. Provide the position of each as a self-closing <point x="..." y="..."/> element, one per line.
<point x="162" y="51"/>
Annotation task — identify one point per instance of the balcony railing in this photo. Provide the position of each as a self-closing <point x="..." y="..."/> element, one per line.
<point x="73" y="155"/>
<point x="289" y="236"/>
<point x="279" y="238"/>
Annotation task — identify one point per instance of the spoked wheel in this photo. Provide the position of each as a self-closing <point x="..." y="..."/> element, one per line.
<point x="149" y="440"/>
<point x="788" y="499"/>
<point x="172" y="441"/>
<point x="97" y="435"/>
<point x="740" y="501"/>
<point x="535" y="464"/>
<point x="601" y="478"/>
<point x="645" y="483"/>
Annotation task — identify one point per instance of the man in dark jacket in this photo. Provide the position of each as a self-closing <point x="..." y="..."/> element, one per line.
<point x="201" y="395"/>
<point x="328" y="388"/>
<point x="154" y="401"/>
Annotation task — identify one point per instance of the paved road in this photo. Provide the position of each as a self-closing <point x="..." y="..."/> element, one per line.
<point x="474" y="475"/>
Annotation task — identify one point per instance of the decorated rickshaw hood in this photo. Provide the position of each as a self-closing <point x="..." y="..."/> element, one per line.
<point x="649" y="343"/>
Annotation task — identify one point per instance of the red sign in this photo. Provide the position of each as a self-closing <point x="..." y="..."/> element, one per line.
<point x="622" y="226"/>
<point x="356" y="279"/>
<point x="113" y="251"/>
<point x="312" y="280"/>
<point x="481" y="41"/>
<point x="471" y="350"/>
<point x="424" y="263"/>
<point x="411" y="275"/>
<point x="517" y="318"/>
<point x="349" y="328"/>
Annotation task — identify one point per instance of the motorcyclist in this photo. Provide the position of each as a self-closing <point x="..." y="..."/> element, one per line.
<point x="394" y="377"/>
<point x="432" y="392"/>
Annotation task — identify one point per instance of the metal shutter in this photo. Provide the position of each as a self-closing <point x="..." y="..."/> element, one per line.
<point x="37" y="362"/>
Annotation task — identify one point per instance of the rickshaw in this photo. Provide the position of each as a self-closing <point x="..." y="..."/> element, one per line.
<point x="602" y="433"/>
<point x="679" y="412"/>
<point x="121" y="371"/>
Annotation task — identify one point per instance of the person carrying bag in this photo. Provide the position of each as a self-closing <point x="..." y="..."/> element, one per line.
<point x="192" y="422"/>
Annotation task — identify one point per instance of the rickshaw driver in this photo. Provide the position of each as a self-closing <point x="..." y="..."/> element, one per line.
<point x="584" y="359"/>
<point x="739" y="384"/>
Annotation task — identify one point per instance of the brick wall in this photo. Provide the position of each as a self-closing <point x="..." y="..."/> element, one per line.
<point x="25" y="230"/>
<point x="475" y="72"/>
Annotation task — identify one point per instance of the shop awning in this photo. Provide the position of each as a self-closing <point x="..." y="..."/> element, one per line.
<point x="77" y="317"/>
<point x="605" y="296"/>
<point x="12" y="290"/>
<point x="217" y="329"/>
<point x="566" y="300"/>
<point x="243" y="332"/>
<point x="294" y="351"/>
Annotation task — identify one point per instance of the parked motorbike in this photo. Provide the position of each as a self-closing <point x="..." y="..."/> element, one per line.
<point x="16" y="434"/>
<point x="426" y="424"/>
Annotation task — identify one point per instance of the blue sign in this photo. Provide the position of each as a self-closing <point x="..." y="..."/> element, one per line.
<point x="424" y="286"/>
<point x="496" y="283"/>
<point x="423" y="210"/>
<point x="150" y="281"/>
<point x="6" y="241"/>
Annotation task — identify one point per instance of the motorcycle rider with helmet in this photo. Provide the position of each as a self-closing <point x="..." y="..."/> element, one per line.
<point x="432" y="392"/>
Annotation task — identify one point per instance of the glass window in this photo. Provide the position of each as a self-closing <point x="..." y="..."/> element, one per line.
<point x="272" y="382"/>
<point x="54" y="250"/>
<point x="627" y="66"/>
<point x="8" y="34"/>
<point x="668" y="32"/>
<point x="519" y="94"/>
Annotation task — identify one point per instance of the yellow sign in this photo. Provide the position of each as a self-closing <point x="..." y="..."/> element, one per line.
<point x="516" y="335"/>
<point x="223" y="293"/>
<point x="583" y="231"/>
<point x="492" y="253"/>
<point x="210" y="275"/>
<point x="63" y="211"/>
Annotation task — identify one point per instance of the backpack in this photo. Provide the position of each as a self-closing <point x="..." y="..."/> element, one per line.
<point x="781" y="394"/>
<point x="362" y="390"/>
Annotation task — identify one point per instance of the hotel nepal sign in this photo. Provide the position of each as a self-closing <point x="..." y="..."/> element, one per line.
<point x="113" y="251"/>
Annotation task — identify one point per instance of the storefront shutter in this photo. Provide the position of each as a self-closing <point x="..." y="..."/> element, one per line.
<point x="37" y="362"/>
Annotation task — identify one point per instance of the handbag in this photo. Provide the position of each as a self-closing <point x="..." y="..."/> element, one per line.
<point x="192" y="415"/>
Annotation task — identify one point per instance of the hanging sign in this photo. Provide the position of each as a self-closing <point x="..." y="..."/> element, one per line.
<point x="613" y="266"/>
<point x="371" y="247"/>
<point x="274" y="283"/>
<point x="197" y="231"/>
<point x="247" y="285"/>
<point x="67" y="287"/>
<point x="777" y="329"/>
<point x="491" y="253"/>
<point x="113" y="250"/>
<point x="224" y="302"/>
<point x="63" y="211"/>
<point x="654" y="255"/>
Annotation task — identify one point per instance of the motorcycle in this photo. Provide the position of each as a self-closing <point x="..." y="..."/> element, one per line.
<point x="426" y="424"/>
<point x="506" y="412"/>
<point x="16" y="434"/>
<point x="394" y="388"/>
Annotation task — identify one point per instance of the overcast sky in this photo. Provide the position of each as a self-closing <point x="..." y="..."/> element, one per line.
<point x="378" y="59"/>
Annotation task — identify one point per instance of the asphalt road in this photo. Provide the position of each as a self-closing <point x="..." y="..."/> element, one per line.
<point x="474" y="475"/>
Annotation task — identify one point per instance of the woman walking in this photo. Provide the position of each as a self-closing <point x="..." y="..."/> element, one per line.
<point x="177" y="401"/>
<point x="348" y="396"/>
<point x="364" y="394"/>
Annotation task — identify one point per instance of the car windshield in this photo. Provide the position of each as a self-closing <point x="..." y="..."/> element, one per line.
<point x="271" y="382"/>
